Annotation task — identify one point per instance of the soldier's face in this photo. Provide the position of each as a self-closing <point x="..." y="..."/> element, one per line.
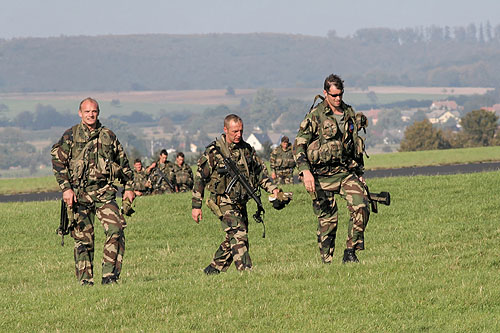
<point x="234" y="132"/>
<point x="89" y="113"/>
<point x="163" y="158"/>
<point x="284" y="145"/>
<point x="334" y="96"/>
<point x="138" y="166"/>
<point x="180" y="160"/>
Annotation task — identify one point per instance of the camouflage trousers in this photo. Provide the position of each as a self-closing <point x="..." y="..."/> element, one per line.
<point x="349" y="187"/>
<point x="235" y="245"/>
<point x="83" y="233"/>
<point x="284" y="176"/>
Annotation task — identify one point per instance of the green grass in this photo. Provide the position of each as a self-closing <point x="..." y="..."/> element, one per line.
<point x="28" y="185"/>
<point x="433" y="157"/>
<point x="431" y="264"/>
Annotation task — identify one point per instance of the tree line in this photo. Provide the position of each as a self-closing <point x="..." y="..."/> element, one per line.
<point x="424" y="56"/>
<point x="479" y="128"/>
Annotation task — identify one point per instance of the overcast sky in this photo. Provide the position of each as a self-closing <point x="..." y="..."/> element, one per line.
<point x="42" y="18"/>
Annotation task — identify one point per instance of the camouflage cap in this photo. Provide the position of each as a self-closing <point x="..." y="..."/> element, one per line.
<point x="285" y="139"/>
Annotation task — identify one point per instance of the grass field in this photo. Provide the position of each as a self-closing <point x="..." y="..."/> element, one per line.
<point x="153" y="102"/>
<point x="431" y="264"/>
<point x="433" y="157"/>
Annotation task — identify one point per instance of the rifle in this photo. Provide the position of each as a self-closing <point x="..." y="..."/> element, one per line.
<point x="64" y="222"/>
<point x="236" y="176"/>
<point x="382" y="197"/>
<point x="162" y="176"/>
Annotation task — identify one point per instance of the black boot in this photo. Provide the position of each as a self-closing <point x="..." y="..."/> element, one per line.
<point x="349" y="256"/>
<point x="110" y="280"/>
<point x="209" y="270"/>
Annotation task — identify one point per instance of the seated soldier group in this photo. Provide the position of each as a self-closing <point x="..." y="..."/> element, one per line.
<point x="163" y="176"/>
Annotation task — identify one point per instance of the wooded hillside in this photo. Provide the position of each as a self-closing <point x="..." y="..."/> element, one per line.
<point x="413" y="57"/>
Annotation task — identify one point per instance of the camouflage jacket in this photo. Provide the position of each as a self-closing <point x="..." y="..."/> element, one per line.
<point x="323" y="148"/>
<point x="282" y="159"/>
<point x="84" y="159"/>
<point x="183" y="177"/>
<point x="141" y="178"/>
<point x="210" y="162"/>
<point x="157" y="182"/>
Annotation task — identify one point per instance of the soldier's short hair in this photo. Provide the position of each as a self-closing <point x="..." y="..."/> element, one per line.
<point x="137" y="160"/>
<point x="89" y="99"/>
<point x="285" y="139"/>
<point x="232" y="117"/>
<point x="163" y="152"/>
<point x="181" y="154"/>
<point x="335" y="80"/>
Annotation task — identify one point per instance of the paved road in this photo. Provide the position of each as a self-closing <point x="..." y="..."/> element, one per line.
<point x="427" y="171"/>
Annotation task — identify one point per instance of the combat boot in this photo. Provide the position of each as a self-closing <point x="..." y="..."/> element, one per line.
<point x="209" y="270"/>
<point x="349" y="256"/>
<point x="110" y="280"/>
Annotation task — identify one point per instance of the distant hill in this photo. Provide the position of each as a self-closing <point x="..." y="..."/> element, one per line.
<point x="218" y="61"/>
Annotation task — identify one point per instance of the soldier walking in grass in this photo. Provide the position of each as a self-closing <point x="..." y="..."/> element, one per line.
<point x="230" y="207"/>
<point x="183" y="174"/>
<point x="282" y="162"/>
<point x="329" y="155"/>
<point x="86" y="161"/>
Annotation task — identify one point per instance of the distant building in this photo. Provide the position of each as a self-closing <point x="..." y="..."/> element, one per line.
<point x="495" y="108"/>
<point x="444" y="105"/>
<point x="257" y="140"/>
<point x="372" y="115"/>
<point x="441" y="117"/>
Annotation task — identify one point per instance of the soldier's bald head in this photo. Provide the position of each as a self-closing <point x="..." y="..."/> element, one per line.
<point x="91" y="100"/>
<point x="232" y="118"/>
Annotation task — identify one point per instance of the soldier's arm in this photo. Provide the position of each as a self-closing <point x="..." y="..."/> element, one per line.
<point x="272" y="161"/>
<point x="201" y="177"/>
<point x="190" y="173"/>
<point x="127" y="174"/>
<point x="302" y="141"/>
<point x="60" y="160"/>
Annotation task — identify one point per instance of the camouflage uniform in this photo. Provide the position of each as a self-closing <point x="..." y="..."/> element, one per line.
<point x="88" y="162"/>
<point x="230" y="208"/>
<point x="282" y="164"/>
<point x="158" y="183"/>
<point x="141" y="178"/>
<point x="183" y="177"/>
<point x="322" y="146"/>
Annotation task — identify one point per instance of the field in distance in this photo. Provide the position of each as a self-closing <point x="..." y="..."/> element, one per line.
<point x="174" y="100"/>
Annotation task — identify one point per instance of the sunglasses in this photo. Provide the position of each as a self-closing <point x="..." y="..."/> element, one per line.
<point x="336" y="95"/>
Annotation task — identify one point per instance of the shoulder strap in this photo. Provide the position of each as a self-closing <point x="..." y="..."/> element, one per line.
<point x="315" y="99"/>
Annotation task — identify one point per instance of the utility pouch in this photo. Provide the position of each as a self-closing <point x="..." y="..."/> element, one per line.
<point x="214" y="208"/>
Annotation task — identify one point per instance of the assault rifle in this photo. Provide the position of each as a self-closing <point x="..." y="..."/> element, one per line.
<point x="162" y="176"/>
<point x="64" y="222"/>
<point x="236" y="176"/>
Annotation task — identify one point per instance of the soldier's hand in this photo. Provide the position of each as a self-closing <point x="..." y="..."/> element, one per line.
<point x="196" y="214"/>
<point x="130" y="195"/>
<point x="308" y="179"/>
<point x="69" y="197"/>
<point x="273" y="175"/>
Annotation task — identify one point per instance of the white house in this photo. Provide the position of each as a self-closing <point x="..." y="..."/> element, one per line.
<point x="257" y="140"/>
